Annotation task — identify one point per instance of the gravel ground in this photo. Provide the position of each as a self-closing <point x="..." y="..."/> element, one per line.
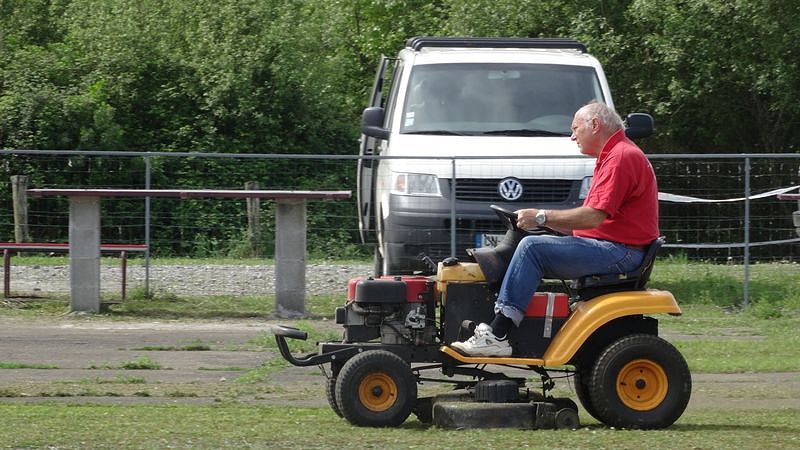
<point x="188" y="280"/>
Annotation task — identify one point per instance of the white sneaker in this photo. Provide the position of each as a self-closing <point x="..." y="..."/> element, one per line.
<point x="483" y="343"/>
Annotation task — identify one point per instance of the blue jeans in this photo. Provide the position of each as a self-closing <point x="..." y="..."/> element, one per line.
<point x="558" y="257"/>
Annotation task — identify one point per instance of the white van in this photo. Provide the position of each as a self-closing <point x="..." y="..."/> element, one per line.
<point x="467" y="98"/>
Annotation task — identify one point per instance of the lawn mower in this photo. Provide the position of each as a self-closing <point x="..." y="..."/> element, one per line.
<point x="594" y="330"/>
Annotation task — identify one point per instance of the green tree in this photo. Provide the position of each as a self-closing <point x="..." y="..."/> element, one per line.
<point x="723" y="75"/>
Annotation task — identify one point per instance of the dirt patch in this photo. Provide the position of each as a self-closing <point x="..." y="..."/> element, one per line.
<point x="87" y="356"/>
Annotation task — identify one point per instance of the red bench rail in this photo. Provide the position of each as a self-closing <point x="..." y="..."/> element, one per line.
<point x="8" y="247"/>
<point x="64" y="246"/>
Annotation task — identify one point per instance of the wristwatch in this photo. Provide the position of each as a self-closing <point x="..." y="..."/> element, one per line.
<point x="541" y="217"/>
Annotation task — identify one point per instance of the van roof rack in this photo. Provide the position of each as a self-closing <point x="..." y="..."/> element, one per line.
<point x="416" y="43"/>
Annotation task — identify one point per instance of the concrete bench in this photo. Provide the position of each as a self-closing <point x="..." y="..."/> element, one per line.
<point x="290" y="238"/>
<point x="63" y="247"/>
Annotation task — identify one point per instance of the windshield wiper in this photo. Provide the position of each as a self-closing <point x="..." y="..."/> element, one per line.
<point x="442" y="132"/>
<point x="524" y="132"/>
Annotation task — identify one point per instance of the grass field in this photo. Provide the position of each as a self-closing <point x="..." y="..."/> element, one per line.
<point x="715" y="334"/>
<point x="239" y="426"/>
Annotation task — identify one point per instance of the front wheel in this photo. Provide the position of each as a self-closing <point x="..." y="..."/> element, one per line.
<point x="376" y="388"/>
<point x="640" y="381"/>
<point x="330" y="394"/>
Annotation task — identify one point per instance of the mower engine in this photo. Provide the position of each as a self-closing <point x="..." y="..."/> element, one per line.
<point x="398" y="310"/>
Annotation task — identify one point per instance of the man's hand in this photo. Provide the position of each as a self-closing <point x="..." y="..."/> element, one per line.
<point x="526" y="218"/>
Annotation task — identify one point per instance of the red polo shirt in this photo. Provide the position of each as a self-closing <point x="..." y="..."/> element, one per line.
<point x="624" y="187"/>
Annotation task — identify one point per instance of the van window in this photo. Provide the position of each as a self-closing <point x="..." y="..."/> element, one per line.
<point x="397" y="73"/>
<point x="512" y="99"/>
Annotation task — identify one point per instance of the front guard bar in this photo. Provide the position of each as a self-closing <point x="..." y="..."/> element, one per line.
<point x="314" y="359"/>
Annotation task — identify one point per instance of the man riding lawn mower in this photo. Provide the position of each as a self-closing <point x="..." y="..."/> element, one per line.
<point x="593" y="329"/>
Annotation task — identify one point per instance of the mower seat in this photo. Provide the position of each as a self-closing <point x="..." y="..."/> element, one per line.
<point x="594" y="285"/>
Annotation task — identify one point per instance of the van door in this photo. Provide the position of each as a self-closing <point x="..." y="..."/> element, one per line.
<point x="365" y="182"/>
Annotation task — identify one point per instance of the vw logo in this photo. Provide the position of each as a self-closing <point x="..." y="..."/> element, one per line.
<point x="510" y="189"/>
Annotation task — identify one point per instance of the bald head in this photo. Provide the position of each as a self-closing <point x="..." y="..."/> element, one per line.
<point x="608" y="117"/>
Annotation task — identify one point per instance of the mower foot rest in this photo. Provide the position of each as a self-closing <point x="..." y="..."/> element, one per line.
<point x="490" y="359"/>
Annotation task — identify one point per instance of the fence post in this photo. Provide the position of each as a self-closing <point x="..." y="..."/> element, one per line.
<point x="453" y="208"/>
<point x="19" y="192"/>
<point x="746" y="288"/>
<point x="6" y="273"/>
<point x="253" y="220"/>
<point x="147" y="229"/>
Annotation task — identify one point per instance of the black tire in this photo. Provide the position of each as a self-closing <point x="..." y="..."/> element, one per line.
<point x="640" y="381"/>
<point x="377" y="389"/>
<point x="424" y="410"/>
<point x="567" y="419"/>
<point x="581" y="379"/>
<point x="330" y="394"/>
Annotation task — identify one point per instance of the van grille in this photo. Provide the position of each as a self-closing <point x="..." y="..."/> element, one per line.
<point x="534" y="191"/>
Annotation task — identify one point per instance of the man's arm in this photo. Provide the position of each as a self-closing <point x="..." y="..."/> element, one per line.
<point x="565" y="220"/>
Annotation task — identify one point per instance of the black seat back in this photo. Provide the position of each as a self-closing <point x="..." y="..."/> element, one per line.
<point x="649" y="261"/>
<point x="594" y="285"/>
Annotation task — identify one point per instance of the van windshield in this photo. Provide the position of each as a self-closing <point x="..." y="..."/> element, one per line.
<point x="497" y="99"/>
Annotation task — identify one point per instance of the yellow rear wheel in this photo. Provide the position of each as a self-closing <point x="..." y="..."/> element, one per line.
<point x="639" y="381"/>
<point x="642" y="385"/>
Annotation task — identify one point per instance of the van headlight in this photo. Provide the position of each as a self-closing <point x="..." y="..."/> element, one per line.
<point x="585" y="185"/>
<point x="415" y="184"/>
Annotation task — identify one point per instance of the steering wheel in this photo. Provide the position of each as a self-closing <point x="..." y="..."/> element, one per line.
<point x="509" y="219"/>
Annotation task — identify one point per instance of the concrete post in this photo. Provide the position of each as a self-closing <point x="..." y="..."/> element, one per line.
<point x="290" y="258"/>
<point x="84" y="254"/>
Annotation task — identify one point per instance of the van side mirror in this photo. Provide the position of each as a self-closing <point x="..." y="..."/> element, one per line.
<point x="639" y="125"/>
<point x="372" y="123"/>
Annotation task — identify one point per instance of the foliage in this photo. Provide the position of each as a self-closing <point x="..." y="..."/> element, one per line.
<point x="724" y="73"/>
<point x="291" y="76"/>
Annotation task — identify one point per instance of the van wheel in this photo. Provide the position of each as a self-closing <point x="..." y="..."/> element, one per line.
<point x="640" y="381"/>
<point x="385" y="266"/>
<point x="377" y="261"/>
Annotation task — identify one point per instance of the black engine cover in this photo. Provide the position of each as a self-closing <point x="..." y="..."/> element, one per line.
<point x="380" y="291"/>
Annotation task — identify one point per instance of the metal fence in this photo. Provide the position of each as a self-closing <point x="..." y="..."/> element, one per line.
<point x="719" y="207"/>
